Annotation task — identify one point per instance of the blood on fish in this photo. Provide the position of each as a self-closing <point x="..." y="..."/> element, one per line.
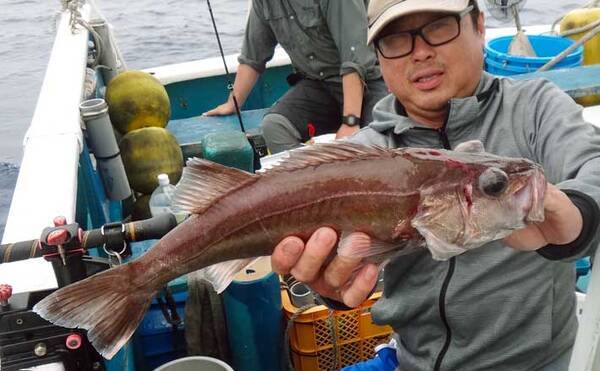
<point x="468" y="192"/>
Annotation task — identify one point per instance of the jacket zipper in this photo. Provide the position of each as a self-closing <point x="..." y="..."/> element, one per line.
<point x="451" y="265"/>
<point x="445" y="142"/>
<point x="442" y="308"/>
<point x="452" y="262"/>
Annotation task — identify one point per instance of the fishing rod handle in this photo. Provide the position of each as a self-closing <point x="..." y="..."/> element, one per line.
<point x="153" y="228"/>
<point x="148" y="229"/>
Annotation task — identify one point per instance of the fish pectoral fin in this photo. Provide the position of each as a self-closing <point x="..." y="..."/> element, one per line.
<point x="203" y="182"/>
<point x="220" y="275"/>
<point x="361" y="245"/>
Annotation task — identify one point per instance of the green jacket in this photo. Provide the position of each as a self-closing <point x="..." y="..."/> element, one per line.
<point x="494" y="308"/>
<point x="325" y="39"/>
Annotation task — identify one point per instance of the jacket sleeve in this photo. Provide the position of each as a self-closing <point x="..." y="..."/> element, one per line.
<point x="568" y="148"/>
<point x="259" y="41"/>
<point x="347" y="23"/>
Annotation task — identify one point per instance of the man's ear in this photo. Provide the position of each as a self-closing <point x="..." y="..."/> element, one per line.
<point x="481" y="24"/>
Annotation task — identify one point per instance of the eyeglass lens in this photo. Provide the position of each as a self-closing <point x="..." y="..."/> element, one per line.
<point x="438" y="32"/>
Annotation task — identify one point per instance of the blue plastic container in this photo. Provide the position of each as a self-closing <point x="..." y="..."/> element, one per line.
<point x="546" y="47"/>
<point x="583" y="266"/>
<point x="155" y="341"/>
<point x="254" y="323"/>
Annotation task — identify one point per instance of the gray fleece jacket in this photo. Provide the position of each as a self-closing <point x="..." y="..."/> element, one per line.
<point x="493" y="308"/>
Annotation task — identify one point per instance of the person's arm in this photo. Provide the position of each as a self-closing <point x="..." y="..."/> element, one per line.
<point x="353" y="97"/>
<point x="258" y="48"/>
<point x="347" y="23"/>
<point x="568" y="149"/>
<point x="245" y="79"/>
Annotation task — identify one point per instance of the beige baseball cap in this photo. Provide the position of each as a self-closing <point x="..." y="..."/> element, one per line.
<point x="383" y="12"/>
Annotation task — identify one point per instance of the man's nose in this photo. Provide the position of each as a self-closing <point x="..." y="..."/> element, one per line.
<point x="422" y="51"/>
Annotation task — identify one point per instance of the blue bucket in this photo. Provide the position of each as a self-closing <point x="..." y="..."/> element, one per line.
<point x="499" y="62"/>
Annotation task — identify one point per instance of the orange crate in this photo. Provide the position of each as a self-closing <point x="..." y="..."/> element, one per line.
<point x="311" y="330"/>
<point x="348" y="354"/>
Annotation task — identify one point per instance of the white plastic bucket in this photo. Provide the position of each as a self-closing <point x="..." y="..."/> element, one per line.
<point x="195" y="363"/>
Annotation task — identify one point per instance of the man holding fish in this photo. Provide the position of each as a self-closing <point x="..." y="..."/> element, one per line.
<point x="485" y="280"/>
<point x="510" y="304"/>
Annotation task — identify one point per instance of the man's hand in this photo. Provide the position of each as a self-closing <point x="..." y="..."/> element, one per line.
<point x="227" y="108"/>
<point x="562" y="224"/>
<point x="346" y="130"/>
<point x="306" y="262"/>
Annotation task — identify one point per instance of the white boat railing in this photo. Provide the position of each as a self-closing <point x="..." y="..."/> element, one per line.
<point x="47" y="182"/>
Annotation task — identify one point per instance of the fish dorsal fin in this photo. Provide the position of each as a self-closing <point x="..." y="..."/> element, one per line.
<point x="325" y="153"/>
<point x="203" y="182"/>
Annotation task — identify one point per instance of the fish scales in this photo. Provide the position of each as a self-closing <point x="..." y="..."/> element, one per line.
<point x="345" y="195"/>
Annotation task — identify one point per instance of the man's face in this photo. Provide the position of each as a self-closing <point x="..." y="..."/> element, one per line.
<point x="426" y="79"/>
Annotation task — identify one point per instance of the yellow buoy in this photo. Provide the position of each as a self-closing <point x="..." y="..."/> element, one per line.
<point x="591" y="50"/>
<point x="135" y="100"/>
<point x="148" y="152"/>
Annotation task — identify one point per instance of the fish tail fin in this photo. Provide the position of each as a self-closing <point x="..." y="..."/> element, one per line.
<point x="106" y="305"/>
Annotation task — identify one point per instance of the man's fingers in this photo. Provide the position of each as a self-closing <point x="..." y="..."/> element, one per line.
<point x="528" y="239"/>
<point x="361" y="287"/>
<point x="316" y="251"/>
<point x="340" y="270"/>
<point x="286" y="254"/>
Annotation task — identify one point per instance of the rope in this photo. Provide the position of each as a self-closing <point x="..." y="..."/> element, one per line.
<point x="76" y="19"/>
<point x="286" y="335"/>
<point x="567" y="51"/>
<point x="589" y="4"/>
<point x="334" y="344"/>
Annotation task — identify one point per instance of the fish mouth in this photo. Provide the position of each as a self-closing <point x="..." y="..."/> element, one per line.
<point x="530" y="198"/>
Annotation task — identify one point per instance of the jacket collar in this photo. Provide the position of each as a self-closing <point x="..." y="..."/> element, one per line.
<point x="389" y="114"/>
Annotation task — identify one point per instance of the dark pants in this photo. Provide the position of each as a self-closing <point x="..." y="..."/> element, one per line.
<point x="311" y="108"/>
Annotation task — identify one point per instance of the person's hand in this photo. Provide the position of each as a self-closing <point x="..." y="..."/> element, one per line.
<point x="346" y="130"/>
<point x="562" y="224"/>
<point x="335" y="280"/>
<point x="227" y="108"/>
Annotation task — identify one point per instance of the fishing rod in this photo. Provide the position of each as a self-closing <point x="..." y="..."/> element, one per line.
<point x="230" y="88"/>
<point x="229" y="83"/>
<point x="64" y="239"/>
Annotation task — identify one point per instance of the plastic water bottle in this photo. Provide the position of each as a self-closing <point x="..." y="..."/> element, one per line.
<point x="160" y="200"/>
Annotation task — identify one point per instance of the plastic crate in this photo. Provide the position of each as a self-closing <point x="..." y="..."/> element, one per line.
<point x="311" y="337"/>
<point x="348" y="354"/>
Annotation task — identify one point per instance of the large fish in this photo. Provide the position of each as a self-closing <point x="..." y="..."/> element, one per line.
<point x="451" y="200"/>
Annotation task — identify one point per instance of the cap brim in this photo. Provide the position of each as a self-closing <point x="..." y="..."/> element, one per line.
<point x="407" y="7"/>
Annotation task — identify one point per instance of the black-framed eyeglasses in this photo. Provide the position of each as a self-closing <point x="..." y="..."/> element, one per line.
<point x="438" y="32"/>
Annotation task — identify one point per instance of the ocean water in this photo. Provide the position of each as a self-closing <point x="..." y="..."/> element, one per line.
<point x="149" y="33"/>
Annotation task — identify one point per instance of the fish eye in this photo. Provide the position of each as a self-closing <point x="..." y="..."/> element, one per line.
<point x="493" y="182"/>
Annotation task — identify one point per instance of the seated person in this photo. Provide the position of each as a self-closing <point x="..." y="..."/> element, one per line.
<point x="336" y="81"/>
